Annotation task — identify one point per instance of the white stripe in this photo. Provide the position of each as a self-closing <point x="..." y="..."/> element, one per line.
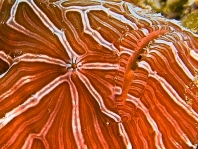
<point x="124" y="135"/>
<point x="132" y="11"/>
<point x="76" y="126"/>
<point x="98" y="98"/>
<point x="158" y="137"/>
<point x="170" y="90"/>
<point x="59" y="33"/>
<point x="100" y="66"/>
<point x="177" y="58"/>
<point x="194" y="54"/>
<point x="32" y="101"/>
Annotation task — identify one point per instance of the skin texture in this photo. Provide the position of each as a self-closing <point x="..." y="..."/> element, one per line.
<point x="95" y="74"/>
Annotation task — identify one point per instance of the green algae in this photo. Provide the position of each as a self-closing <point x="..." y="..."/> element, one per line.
<point x="191" y="21"/>
<point x="184" y="10"/>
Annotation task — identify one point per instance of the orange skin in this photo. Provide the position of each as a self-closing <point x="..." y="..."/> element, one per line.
<point x="129" y="75"/>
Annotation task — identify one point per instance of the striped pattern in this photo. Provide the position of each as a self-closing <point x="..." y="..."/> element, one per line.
<point x="95" y="74"/>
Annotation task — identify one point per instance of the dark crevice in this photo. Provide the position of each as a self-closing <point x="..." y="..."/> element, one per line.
<point x="3" y="67"/>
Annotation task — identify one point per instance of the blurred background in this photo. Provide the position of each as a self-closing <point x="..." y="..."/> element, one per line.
<point x="184" y="10"/>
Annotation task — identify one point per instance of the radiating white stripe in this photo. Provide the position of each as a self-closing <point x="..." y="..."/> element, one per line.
<point x="124" y="135"/>
<point x="158" y="137"/>
<point x="20" y="82"/>
<point x="177" y="58"/>
<point x="132" y="11"/>
<point x="168" y="66"/>
<point x="100" y="66"/>
<point x="95" y="34"/>
<point x="98" y="98"/>
<point x="76" y="126"/>
<point x="45" y="129"/>
<point x="170" y="90"/>
<point x="46" y="21"/>
<point x="116" y="16"/>
<point x="194" y="54"/>
<point x="107" y="25"/>
<point x="32" y="101"/>
<point x="28" y="57"/>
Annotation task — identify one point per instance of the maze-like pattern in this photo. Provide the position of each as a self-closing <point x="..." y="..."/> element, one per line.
<point x="95" y="74"/>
